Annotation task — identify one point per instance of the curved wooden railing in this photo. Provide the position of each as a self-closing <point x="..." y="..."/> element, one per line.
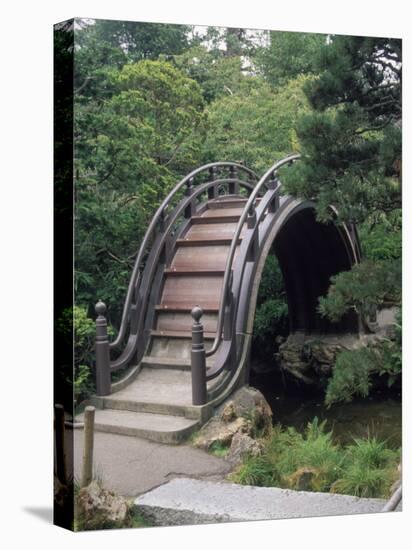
<point x="225" y="341"/>
<point x="159" y="231"/>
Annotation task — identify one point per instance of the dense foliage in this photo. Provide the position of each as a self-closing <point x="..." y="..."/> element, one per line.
<point x="152" y="101"/>
<point x="313" y="461"/>
<point x="351" y="148"/>
<point x="271" y="317"/>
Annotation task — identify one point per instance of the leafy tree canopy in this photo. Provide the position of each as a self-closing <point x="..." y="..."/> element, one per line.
<point x="351" y="142"/>
<point x="256" y="124"/>
<point x="289" y="55"/>
<point x="130" y="150"/>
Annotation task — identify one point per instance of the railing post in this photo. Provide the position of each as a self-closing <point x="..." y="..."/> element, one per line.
<point x="251" y="224"/>
<point x="212" y="191"/>
<point x="103" y="378"/>
<point x="198" y="360"/>
<point x="272" y="184"/>
<point x="189" y="210"/>
<point x="233" y="186"/>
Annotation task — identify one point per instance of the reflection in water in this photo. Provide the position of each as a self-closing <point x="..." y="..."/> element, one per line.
<point x="296" y="405"/>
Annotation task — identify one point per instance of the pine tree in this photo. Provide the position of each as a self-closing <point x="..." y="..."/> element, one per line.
<point x="351" y="153"/>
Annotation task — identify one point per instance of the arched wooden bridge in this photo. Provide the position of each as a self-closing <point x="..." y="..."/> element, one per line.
<point x="184" y="341"/>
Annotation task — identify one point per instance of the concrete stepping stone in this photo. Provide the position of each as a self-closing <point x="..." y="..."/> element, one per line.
<point x="185" y="501"/>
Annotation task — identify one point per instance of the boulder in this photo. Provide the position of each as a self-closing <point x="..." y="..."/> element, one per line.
<point x="96" y="504"/>
<point x="247" y="412"/>
<point x="219" y="431"/>
<point x="248" y="402"/>
<point x="243" y="445"/>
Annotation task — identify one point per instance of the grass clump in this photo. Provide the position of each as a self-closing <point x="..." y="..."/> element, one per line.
<point x="370" y="469"/>
<point x="312" y="461"/>
<point x="219" y="449"/>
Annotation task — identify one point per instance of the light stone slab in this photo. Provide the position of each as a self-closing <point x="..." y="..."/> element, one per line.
<point x="186" y="501"/>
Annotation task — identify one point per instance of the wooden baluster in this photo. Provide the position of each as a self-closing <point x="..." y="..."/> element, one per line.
<point x="212" y="191"/>
<point x="190" y="208"/>
<point x="198" y="360"/>
<point x="273" y="184"/>
<point x="251" y="223"/>
<point x="103" y="378"/>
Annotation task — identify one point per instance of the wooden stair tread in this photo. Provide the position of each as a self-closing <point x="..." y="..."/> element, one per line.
<point x="222" y="213"/>
<point x="193" y="271"/>
<point x="150" y="361"/>
<point x="172" y="307"/>
<point x="200" y="220"/>
<point x="192" y="290"/>
<point x="199" y="257"/>
<point x="205" y="241"/>
<point x="179" y="334"/>
<point x="211" y="231"/>
<point x="182" y="321"/>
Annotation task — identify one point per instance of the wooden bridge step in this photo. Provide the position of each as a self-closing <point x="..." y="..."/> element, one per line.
<point x="211" y="231"/>
<point x="173" y="348"/>
<point x="178" y="308"/>
<point x="204" y="257"/>
<point x="191" y="291"/>
<point x="188" y="305"/>
<point x="170" y="363"/>
<point x="183" y="321"/>
<point x="205" y="241"/>
<point x="179" y="334"/>
<point x="228" y="211"/>
<point x="202" y="220"/>
<point x="226" y="203"/>
<point x="173" y="271"/>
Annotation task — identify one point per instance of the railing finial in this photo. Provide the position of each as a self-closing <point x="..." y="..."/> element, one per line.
<point x="100" y="308"/>
<point x="198" y="360"/>
<point x="197" y="313"/>
<point x="103" y="378"/>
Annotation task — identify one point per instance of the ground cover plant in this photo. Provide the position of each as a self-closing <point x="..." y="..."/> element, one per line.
<point x="311" y="460"/>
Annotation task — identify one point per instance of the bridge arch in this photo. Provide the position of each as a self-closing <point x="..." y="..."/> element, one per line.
<point x="203" y="254"/>
<point x="309" y="254"/>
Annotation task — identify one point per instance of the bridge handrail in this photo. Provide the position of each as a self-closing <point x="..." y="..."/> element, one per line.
<point x="143" y="291"/>
<point x="135" y="277"/>
<point x="227" y="278"/>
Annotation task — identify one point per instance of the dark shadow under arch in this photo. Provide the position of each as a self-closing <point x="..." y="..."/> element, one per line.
<point x="309" y="254"/>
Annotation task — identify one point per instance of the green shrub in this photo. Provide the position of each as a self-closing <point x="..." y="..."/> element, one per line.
<point x="312" y="461"/>
<point x="370" y="469"/>
<point x="354" y="371"/>
<point x="75" y="323"/>
<point x="271" y="317"/>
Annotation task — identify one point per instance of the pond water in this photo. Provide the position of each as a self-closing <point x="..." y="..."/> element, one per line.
<point x="296" y="405"/>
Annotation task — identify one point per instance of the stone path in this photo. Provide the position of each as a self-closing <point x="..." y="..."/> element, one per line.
<point x="130" y="466"/>
<point x="190" y="501"/>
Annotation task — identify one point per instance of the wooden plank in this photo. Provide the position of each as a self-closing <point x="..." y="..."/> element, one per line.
<point x="204" y="257"/>
<point x="211" y="231"/>
<point x="183" y="321"/>
<point x="171" y="306"/>
<point x="205" y="241"/>
<point x="192" y="290"/>
<point x="179" y="334"/>
<point x="177" y="272"/>
<point x="222" y="212"/>
<point x="199" y="220"/>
